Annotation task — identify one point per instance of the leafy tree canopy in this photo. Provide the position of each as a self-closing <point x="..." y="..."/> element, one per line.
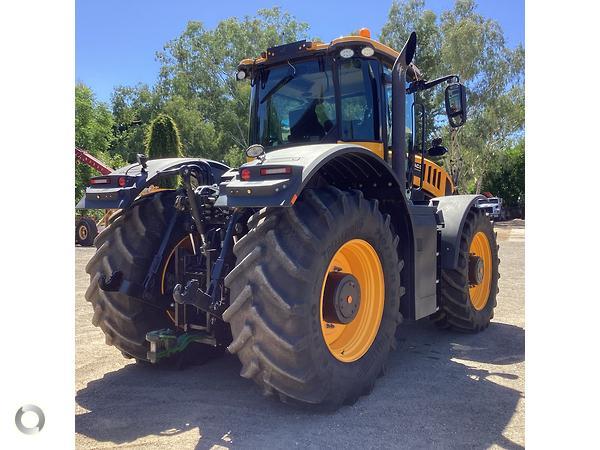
<point x="94" y="125"/>
<point x="461" y="41"/>
<point x="507" y="176"/>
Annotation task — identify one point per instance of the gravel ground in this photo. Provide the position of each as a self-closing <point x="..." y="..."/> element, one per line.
<point x="442" y="389"/>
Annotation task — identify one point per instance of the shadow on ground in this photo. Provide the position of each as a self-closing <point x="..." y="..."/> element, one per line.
<point x="431" y="396"/>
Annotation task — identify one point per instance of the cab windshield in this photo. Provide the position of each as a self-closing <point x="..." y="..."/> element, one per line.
<point x="295" y="104"/>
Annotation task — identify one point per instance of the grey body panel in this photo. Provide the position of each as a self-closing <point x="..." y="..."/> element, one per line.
<point x="117" y="197"/>
<point x="454" y="209"/>
<point x="305" y="161"/>
<point x="425" y="231"/>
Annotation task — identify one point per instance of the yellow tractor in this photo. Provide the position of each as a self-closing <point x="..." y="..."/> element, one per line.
<point x="303" y="261"/>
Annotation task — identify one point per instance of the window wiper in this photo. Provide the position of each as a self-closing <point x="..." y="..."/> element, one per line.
<point x="285" y="80"/>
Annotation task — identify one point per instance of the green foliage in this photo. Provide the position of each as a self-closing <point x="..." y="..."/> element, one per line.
<point x="464" y="42"/>
<point x="197" y="78"/>
<point x="234" y="157"/>
<point x="404" y="18"/>
<point x="162" y="138"/>
<point x="507" y="177"/>
<point x="163" y="141"/>
<point x="94" y="133"/>
<point x="133" y="109"/>
<point x="93" y="121"/>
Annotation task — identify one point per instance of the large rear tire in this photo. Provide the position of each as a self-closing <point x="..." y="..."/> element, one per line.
<point x="466" y="305"/>
<point x="128" y="245"/>
<point x="277" y="293"/>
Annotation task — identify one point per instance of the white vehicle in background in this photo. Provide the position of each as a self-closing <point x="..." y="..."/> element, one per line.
<point x="492" y="206"/>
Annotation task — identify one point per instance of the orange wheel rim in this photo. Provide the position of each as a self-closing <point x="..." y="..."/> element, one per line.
<point x="349" y="342"/>
<point x="83" y="232"/>
<point x="479" y="293"/>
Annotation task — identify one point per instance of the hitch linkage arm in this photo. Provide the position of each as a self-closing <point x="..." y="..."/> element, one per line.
<point x="209" y="301"/>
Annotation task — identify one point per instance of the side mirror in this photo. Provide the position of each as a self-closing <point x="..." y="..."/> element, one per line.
<point x="456" y="104"/>
<point x="437" y="149"/>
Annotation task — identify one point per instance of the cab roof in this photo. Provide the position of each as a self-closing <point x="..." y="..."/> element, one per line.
<point x="276" y="55"/>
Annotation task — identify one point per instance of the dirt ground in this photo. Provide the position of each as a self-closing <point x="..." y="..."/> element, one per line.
<point x="442" y="389"/>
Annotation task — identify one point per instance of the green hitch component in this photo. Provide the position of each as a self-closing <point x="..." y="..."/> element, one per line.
<point x="166" y="342"/>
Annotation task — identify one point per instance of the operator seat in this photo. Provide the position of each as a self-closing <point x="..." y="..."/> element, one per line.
<point x="304" y="124"/>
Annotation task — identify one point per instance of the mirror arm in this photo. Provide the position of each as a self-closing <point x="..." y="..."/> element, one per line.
<point x="422" y="85"/>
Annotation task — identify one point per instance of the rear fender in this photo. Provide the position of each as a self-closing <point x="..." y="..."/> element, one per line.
<point x="346" y="165"/>
<point x="454" y="209"/>
<point x="110" y="195"/>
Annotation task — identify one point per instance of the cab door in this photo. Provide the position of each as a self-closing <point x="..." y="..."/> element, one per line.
<point x="361" y="111"/>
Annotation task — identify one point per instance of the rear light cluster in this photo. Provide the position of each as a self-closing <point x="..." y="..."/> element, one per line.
<point x="275" y="170"/>
<point x="245" y="174"/>
<point x="100" y="181"/>
<point x="121" y="181"/>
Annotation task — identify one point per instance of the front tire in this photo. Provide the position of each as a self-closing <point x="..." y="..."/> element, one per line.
<point x="276" y="293"/>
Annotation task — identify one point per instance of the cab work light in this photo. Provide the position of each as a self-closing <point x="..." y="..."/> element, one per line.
<point x="275" y="170"/>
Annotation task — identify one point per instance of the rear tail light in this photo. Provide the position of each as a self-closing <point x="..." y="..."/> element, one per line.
<point x="245" y="174"/>
<point x="100" y="181"/>
<point x="122" y="181"/>
<point x="275" y="170"/>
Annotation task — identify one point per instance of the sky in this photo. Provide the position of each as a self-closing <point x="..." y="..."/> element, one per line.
<point x="116" y="40"/>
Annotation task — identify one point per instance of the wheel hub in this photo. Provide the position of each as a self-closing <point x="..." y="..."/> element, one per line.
<point x="476" y="270"/>
<point x="341" y="299"/>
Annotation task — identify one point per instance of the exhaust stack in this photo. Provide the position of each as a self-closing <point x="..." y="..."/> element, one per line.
<point x="399" y="108"/>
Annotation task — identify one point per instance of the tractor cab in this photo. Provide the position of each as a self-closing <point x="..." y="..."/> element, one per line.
<point x="312" y="93"/>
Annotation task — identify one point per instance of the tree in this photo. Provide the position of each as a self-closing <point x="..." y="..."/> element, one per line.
<point x="133" y="109"/>
<point x="163" y="141"/>
<point x="197" y="79"/>
<point x="403" y="19"/>
<point x="198" y="89"/>
<point x="464" y="42"/>
<point x="162" y="138"/>
<point x="507" y="177"/>
<point x="94" y="133"/>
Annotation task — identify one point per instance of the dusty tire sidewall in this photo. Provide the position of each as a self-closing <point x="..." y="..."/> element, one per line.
<point x="482" y="223"/>
<point x="370" y="364"/>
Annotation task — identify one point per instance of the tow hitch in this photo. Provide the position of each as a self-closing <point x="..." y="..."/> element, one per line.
<point x="166" y="342"/>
